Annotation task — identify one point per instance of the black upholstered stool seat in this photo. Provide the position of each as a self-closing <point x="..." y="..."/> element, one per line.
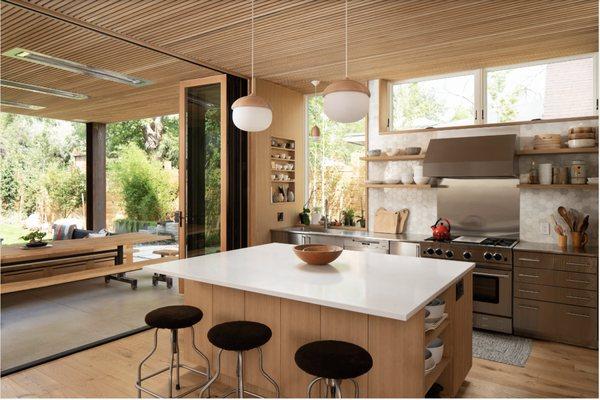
<point x="173" y="317"/>
<point x="333" y="359"/>
<point x="239" y="335"/>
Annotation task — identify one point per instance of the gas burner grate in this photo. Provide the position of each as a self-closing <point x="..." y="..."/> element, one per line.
<point x="499" y="242"/>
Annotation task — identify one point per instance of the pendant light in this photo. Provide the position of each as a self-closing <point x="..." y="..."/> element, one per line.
<point x="252" y="113"/>
<point x="315" y="132"/>
<point x="346" y="100"/>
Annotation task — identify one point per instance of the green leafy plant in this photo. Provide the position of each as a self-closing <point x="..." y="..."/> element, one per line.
<point x="348" y="217"/>
<point x="66" y="188"/>
<point x="34" y="236"/>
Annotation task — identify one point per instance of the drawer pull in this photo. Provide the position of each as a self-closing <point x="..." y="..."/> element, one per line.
<point x="528" y="307"/>
<point x="576" y="264"/>
<point x="529" y="259"/>
<point x="578" y="315"/>
<point x="529" y="291"/>
<point x="577" y="281"/>
<point x="529" y="276"/>
<point x="577" y="297"/>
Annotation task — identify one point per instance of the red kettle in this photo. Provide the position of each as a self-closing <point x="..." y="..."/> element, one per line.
<point x="440" y="230"/>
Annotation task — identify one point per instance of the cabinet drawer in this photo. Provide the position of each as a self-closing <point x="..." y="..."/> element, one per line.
<point x="559" y="322"/>
<point x="534" y="260"/>
<point x="549" y="277"/>
<point x="577" y="297"/>
<point x="576" y="264"/>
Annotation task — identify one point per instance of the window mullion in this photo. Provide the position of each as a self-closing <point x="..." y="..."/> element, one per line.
<point x="480" y="96"/>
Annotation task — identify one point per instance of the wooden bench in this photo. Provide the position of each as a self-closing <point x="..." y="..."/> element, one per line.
<point x="72" y="260"/>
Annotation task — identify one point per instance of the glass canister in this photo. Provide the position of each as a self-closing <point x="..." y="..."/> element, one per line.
<point x="578" y="172"/>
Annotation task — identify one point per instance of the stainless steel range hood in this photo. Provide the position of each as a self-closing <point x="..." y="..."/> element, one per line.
<point x="471" y="157"/>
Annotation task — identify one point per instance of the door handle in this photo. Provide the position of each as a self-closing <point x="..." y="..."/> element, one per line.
<point x="576" y="264"/>
<point x="492" y="275"/>
<point x="577" y="315"/>
<point x="529" y="276"/>
<point x="576" y="281"/>
<point x="576" y="297"/>
<point x="528" y="307"/>
<point x="529" y="291"/>
<point x="529" y="259"/>
<point x="178" y="217"/>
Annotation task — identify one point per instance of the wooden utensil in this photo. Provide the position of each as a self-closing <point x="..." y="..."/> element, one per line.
<point x="402" y="222"/>
<point x="574" y="214"/>
<point x="565" y="216"/>
<point x="585" y="224"/>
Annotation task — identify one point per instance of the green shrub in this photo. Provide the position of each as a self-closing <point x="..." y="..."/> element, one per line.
<point x="66" y="188"/>
<point x="145" y="187"/>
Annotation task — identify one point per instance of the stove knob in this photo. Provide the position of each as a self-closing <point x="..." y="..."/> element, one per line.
<point x="497" y="256"/>
<point x="429" y="251"/>
<point x="449" y="254"/>
<point x="439" y="252"/>
<point x="467" y="255"/>
<point x="487" y="255"/>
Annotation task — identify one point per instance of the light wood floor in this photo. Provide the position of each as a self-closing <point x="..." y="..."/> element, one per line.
<point x="553" y="370"/>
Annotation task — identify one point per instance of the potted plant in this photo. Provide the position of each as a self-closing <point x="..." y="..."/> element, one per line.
<point x="348" y="217"/>
<point x="34" y="239"/>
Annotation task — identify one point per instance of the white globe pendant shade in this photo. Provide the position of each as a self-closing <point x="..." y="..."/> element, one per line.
<point x="252" y="113"/>
<point x="346" y="101"/>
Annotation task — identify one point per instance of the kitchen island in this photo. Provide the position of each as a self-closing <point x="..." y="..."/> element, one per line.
<point x="374" y="300"/>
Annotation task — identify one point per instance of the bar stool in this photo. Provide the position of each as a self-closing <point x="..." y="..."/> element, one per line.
<point x="173" y="318"/>
<point x="332" y="361"/>
<point x="240" y="336"/>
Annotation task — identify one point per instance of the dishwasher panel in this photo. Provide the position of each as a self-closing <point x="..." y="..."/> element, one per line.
<point x="374" y="246"/>
<point x="405" y="249"/>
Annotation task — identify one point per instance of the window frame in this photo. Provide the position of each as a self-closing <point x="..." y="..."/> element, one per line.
<point x="480" y="86"/>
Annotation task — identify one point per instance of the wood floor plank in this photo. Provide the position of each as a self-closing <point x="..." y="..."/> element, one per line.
<point x="553" y="370"/>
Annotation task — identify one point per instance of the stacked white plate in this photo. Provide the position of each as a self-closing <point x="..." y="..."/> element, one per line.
<point x="581" y="143"/>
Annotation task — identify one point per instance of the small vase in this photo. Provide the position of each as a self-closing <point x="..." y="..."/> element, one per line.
<point x="562" y="241"/>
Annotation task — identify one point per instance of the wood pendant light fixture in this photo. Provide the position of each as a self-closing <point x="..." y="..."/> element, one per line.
<point x="346" y="100"/>
<point x="252" y="113"/>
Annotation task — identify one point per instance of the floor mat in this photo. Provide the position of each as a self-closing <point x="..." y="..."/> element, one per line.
<point x="506" y="349"/>
<point x="40" y="323"/>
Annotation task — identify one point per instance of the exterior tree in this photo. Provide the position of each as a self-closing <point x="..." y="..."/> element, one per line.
<point x="65" y="188"/>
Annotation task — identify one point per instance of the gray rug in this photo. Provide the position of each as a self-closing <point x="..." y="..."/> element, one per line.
<point x="506" y="349"/>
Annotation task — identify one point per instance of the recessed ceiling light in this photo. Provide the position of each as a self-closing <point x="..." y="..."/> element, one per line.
<point x="39" y="58"/>
<point x="20" y="105"/>
<point x="42" y="89"/>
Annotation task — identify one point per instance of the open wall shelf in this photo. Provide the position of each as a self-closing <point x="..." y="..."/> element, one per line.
<point x="279" y="176"/>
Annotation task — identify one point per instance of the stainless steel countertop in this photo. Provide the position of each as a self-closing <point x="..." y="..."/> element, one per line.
<point x="403" y="237"/>
<point x="588" y="251"/>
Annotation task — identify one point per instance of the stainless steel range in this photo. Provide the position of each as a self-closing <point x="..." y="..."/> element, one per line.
<point x="492" y="277"/>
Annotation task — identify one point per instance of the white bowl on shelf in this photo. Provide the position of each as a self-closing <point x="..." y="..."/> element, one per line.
<point x="436" y="347"/>
<point x="581" y="143"/>
<point x="436" y="309"/>
<point x="422" y="180"/>
<point x="429" y="361"/>
<point x="406" y="179"/>
<point x="390" y="181"/>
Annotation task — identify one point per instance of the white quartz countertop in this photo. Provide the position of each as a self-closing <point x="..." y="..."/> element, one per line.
<point x="377" y="284"/>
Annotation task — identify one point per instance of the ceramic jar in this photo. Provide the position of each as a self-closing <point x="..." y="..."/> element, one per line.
<point x="545" y="174"/>
<point x="578" y="172"/>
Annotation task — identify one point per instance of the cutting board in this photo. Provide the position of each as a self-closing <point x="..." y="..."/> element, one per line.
<point x="390" y="221"/>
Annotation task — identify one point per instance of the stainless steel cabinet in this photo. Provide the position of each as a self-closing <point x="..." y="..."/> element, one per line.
<point x="370" y="245"/>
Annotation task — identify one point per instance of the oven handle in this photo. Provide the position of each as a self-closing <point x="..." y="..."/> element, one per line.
<point x="492" y="275"/>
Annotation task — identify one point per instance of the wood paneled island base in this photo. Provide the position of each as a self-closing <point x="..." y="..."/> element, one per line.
<point x="396" y="346"/>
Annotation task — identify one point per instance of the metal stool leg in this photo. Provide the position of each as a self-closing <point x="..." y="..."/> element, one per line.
<point x="139" y="380"/>
<point x="337" y="388"/>
<point x="356" y="390"/>
<point x="263" y="372"/>
<point x="197" y="350"/>
<point x="214" y="378"/>
<point x="175" y="344"/>
<point x="240" y="374"/>
<point x="311" y="384"/>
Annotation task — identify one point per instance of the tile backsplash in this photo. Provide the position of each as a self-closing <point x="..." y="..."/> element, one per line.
<point x="536" y="206"/>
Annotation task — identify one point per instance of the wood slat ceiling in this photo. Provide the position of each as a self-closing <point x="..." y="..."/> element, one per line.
<point x="301" y="40"/>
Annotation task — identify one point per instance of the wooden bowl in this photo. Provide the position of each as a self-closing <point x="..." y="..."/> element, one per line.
<point x="317" y="254"/>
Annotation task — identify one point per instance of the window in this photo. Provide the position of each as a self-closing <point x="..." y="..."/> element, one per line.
<point x="335" y="171"/>
<point x="545" y="91"/>
<point x="445" y="101"/>
<point x="549" y="89"/>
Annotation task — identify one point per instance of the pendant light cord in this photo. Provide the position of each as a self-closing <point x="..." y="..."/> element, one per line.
<point x="252" y="51"/>
<point x="346" y="38"/>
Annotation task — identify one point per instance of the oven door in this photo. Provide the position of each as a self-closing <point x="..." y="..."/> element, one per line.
<point x="492" y="291"/>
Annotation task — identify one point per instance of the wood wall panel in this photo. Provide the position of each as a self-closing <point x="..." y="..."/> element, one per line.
<point x="288" y="123"/>
<point x="199" y="295"/>
<point x="350" y="327"/>
<point x="302" y="324"/>
<point x="266" y="310"/>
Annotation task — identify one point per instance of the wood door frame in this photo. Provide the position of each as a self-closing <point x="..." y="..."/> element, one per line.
<point x="183" y="85"/>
